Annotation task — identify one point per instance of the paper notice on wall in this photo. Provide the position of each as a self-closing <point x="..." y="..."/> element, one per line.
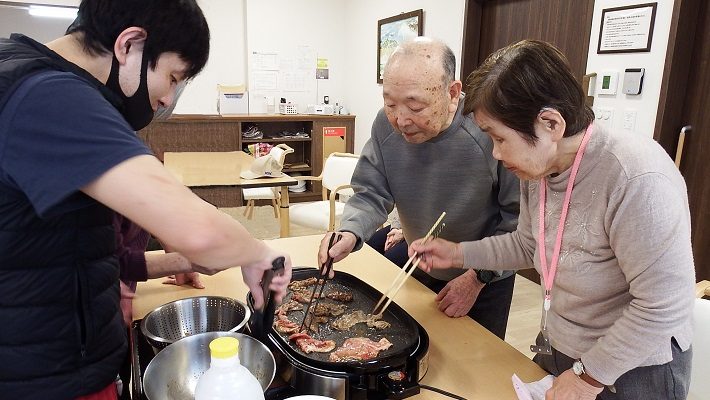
<point x="295" y="81"/>
<point x="265" y="61"/>
<point x="265" y="80"/>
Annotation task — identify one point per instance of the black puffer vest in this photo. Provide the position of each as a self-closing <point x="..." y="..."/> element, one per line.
<point x="61" y="332"/>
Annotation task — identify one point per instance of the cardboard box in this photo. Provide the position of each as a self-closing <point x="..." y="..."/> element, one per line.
<point x="232" y="100"/>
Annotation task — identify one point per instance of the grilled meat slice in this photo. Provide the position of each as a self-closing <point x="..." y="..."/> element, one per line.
<point x="338" y="295"/>
<point x="288" y="306"/>
<point x="312" y="322"/>
<point x="284" y="325"/>
<point x="302" y="296"/>
<point x="347" y="321"/>
<point x="307" y="344"/>
<point x="302" y="284"/>
<point x="329" y="310"/>
<point x="359" y="349"/>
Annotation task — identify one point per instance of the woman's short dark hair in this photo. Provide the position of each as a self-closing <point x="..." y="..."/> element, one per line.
<point x="173" y="26"/>
<point x="516" y="82"/>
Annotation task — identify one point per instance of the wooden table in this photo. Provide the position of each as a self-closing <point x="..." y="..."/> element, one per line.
<point x="464" y="358"/>
<point x="223" y="169"/>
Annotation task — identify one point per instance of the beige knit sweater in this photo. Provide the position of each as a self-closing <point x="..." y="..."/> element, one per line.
<point x="624" y="284"/>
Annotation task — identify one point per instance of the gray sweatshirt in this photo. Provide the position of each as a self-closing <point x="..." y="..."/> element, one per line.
<point x="625" y="280"/>
<point x="453" y="172"/>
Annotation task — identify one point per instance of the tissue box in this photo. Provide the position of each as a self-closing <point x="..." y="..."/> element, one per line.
<point x="232" y="100"/>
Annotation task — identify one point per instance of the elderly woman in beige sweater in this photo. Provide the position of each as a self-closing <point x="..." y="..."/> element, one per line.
<point x="604" y="219"/>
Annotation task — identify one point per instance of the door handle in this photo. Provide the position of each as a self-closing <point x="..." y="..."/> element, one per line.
<point x="681" y="141"/>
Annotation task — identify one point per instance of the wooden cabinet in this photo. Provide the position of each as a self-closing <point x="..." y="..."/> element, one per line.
<point x="224" y="133"/>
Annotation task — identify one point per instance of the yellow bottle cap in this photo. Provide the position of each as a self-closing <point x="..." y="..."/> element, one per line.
<point x="224" y="347"/>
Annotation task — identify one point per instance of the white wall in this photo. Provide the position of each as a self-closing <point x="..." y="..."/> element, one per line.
<point x="442" y="20"/>
<point x="284" y="26"/>
<point x="227" y="63"/>
<point x="17" y="20"/>
<point x="345" y="32"/>
<point x="644" y="105"/>
<point x="49" y="2"/>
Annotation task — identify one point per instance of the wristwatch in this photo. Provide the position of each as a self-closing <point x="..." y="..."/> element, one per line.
<point x="485" y="276"/>
<point x="578" y="369"/>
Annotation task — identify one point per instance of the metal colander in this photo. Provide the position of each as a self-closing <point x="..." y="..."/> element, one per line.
<point x="182" y="318"/>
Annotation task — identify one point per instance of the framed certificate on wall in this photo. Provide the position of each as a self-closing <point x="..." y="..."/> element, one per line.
<point x="627" y="29"/>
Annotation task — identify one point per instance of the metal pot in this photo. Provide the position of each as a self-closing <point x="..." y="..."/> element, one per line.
<point x="174" y="372"/>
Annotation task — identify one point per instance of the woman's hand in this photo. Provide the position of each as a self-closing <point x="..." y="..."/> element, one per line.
<point x="569" y="386"/>
<point x="437" y="254"/>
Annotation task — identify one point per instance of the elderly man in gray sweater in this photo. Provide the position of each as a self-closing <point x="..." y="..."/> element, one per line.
<point x="426" y="156"/>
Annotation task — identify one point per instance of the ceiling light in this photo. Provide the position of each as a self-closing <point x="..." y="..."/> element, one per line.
<point x="53" y="12"/>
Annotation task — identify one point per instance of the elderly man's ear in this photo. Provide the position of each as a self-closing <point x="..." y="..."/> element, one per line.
<point x="454" y="95"/>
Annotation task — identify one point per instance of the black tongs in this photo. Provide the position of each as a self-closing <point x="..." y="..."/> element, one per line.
<point x="325" y="271"/>
<point x="263" y="318"/>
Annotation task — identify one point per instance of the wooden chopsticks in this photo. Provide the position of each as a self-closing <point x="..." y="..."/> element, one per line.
<point x="404" y="273"/>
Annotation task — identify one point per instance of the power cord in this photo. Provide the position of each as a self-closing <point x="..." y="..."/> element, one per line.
<point x="440" y="391"/>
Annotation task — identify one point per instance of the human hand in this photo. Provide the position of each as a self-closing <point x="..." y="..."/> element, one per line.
<point x="253" y="274"/>
<point x="437" y="254"/>
<point x="191" y="278"/>
<point x="458" y="296"/>
<point x="340" y="250"/>
<point x="569" y="386"/>
<point x="394" y="236"/>
<point x="126" y="303"/>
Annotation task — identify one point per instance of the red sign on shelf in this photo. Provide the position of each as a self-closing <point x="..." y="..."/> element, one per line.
<point x="334" y="131"/>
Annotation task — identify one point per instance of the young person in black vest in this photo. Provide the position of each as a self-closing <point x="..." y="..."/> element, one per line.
<point x="68" y="155"/>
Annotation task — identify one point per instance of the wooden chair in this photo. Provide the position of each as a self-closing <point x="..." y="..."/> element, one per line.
<point x="263" y="193"/>
<point x="337" y="171"/>
<point x="699" y="383"/>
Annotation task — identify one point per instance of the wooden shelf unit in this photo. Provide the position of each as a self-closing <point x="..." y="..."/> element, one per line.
<point x="192" y="132"/>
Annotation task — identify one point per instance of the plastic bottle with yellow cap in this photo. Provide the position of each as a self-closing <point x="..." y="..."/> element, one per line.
<point x="227" y="379"/>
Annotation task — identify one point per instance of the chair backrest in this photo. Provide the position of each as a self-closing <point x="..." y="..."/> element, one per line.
<point x="699" y="383"/>
<point x="279" y="152"/>
<point x="338" y="170"/>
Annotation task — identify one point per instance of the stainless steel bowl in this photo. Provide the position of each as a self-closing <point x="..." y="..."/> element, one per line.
<point x="182" y="318"/>
<point x="174" y="372"/>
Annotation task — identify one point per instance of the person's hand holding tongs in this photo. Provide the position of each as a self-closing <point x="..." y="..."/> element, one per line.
<point x="326" y="272"/>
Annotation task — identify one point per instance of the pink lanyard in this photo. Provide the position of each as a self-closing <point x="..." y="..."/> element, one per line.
<point x="548" y="274"/>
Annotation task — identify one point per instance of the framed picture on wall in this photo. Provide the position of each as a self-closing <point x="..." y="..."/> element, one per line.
<point x="393" y="31"/>
<point x="627" y="29"/>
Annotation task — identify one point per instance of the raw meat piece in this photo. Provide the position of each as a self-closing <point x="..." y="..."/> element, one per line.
<point x="308" y="344"/>
<point x="284" y="325"/>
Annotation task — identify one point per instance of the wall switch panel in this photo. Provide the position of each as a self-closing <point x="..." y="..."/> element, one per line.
<point x="630" y="120"/>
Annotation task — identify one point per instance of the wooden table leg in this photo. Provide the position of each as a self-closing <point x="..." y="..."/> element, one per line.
<point x="284" y="218"/>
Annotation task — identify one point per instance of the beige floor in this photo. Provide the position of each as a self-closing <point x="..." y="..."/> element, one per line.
<point x="524" y="320"/>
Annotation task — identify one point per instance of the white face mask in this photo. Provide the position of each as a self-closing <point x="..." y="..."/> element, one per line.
<point x="164" y="113"/>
